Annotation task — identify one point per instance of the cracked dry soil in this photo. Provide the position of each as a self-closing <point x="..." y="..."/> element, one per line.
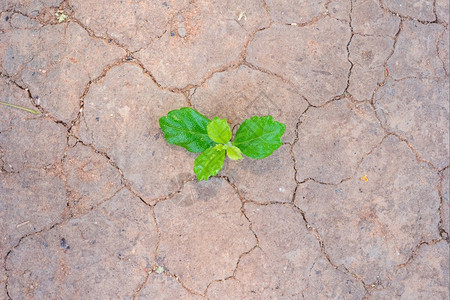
<point x="94" y="204"/>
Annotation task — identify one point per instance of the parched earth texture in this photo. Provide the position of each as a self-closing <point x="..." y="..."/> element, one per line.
<point x="95" y="204"/>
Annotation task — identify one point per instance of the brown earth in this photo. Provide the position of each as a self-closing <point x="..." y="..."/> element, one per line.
<point x="95" y="204"/>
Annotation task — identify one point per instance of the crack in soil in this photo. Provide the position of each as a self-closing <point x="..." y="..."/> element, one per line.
<point x="407" y="18"/>
<point x="291" y="152"/>
<point x="250" y="225"/>
<point x="365" y="155"/>
<point x="313" y="232"/>
<point x="30" y="97"/>
<point x="352" y="33"/>
<point x="45" y="229"/>
<point x="239" y="61"/>
<point x="108" y="39"/>
<point x="419" y="157"/>
<point x="386" y="73"/>
<point x="128" y="184"/>
<point x="415" y="251"/>
<point x="376" y="108"/>
<point x="141" y="286"/>
<point x="117" y="62"/>
<point x="286" y="81"/>
<point x="442" y="232"/>
<point x="445" y="31"/>
<point x="170" y="196"/>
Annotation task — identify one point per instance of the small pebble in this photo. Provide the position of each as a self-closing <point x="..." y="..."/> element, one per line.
<point x="63" y="244"/>
<point x="181" y="30"/>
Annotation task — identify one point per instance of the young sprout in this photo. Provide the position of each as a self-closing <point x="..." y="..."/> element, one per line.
<point x="257" y="138"/>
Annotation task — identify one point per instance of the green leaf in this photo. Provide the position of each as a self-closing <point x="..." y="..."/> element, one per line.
<point x="209" y="163"/>
<point x="220" y="147"/>
<point x="234" y="152"/>
<point x="219" y="131"/>
<point x="259" y="137"/>
<point x="186" y="127"/>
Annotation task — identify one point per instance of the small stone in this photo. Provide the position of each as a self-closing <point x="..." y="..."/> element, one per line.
<point x="182" y="31"/>
<point x="63" y="244"/>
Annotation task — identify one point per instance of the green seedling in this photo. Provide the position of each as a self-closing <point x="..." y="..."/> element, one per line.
<point x="60" y="16"/>
<point x="257" y="138"/>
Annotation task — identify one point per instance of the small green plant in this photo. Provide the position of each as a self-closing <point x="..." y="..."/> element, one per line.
<point x="60" y="16"/>
<point x="257" y="138"/>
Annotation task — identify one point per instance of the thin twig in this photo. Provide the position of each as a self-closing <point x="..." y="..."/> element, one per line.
<point x="20" y="107"/>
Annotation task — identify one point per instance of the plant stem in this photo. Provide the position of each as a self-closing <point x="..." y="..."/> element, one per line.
<point x="20" y="107"/>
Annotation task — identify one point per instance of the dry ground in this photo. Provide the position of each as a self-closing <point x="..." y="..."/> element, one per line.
<point x="94" y="204"/>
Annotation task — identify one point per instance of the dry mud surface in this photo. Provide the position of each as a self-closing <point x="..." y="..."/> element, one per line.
<point x="95" y="204"/>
